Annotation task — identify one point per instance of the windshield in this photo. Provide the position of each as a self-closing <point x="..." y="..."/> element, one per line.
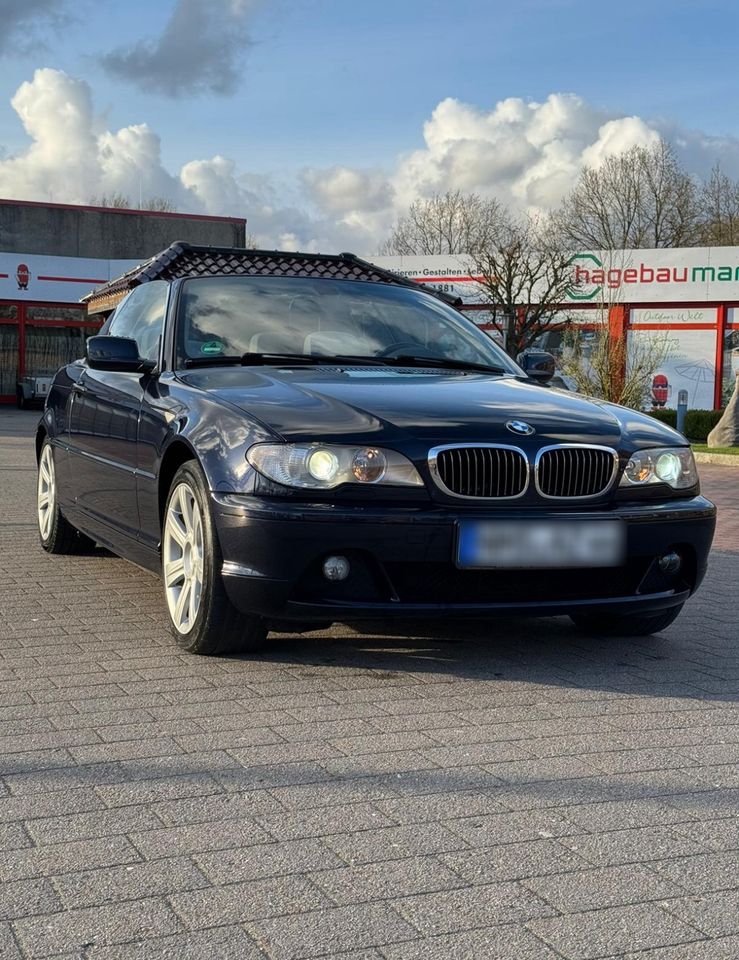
<point x="222" y="317"/>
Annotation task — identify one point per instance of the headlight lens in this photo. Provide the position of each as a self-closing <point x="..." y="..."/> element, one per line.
<point x="324" y="466"/>
<point x="674" y="466"/>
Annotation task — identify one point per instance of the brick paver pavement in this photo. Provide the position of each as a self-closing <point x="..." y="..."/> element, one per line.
<point x="510" y="790"/>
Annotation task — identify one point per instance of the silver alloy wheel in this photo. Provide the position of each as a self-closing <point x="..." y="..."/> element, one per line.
<point x="46" y="493"/>
<point x="182" y="552"/>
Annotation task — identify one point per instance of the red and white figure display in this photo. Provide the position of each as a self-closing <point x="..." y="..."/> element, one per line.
<point x="661" y="390"/>
<point x="23" y="276"/>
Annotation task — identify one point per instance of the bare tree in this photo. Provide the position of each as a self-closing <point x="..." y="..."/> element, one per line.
<point x="524" y="275"/>
<point x="639" y="198"/>
<point x="159" y="204"/>
<point x="617" y="369"/>
<point x="119" y="201"/>
<point x="453" y="222"/>
<point x="719" y="210"/>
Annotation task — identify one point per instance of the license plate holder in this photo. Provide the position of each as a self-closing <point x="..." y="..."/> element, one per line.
<point x="539" y="544"/>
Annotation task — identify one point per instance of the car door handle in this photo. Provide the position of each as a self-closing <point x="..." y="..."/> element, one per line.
<point x="78" y="389"/>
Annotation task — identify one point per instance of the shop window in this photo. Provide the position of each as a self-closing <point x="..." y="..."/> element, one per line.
<point x="55" y="314"/>
<point x="731" y="365"/>
<point x="51" y="347"/>
<point x="8" y="358"/>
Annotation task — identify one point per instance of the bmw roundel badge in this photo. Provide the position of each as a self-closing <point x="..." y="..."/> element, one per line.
<point x="520" y="427"/>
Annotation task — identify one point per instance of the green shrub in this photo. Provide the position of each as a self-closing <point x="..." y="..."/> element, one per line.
<point x="698" y="423"/>
<point x="665" y="416"/>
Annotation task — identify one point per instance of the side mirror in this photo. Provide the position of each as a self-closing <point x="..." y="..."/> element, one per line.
<point x="116" y="353"/>
<point x="537" y="364"/>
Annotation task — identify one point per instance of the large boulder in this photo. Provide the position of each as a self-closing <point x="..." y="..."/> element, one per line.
<point x="726" y="431"/>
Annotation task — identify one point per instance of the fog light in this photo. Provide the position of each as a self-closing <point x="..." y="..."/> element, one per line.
<point x="336" y="568"/>
<point x="670" y="562"/>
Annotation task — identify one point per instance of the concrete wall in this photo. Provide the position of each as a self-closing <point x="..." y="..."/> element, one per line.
<point x="67" y="231"/>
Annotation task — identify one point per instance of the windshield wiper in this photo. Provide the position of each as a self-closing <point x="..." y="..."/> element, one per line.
<point x="450" y="364"/>
<point x="307" y="359"/>
<point x="285" y="360"/>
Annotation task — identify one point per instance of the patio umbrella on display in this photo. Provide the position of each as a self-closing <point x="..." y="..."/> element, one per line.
<point x="702" y="371"/>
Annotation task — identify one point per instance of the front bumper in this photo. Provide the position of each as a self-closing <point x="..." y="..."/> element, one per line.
<point x="402" y="561"/>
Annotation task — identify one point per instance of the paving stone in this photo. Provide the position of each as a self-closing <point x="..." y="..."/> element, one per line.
<point x="267" y="860"/>
<point x="509" y="827"/>
<point x="701" y="873"/>
<point x="716" y="914"/>
<point x="216" y="807"/>
<point x="9" y="949"/>
<point x="66" y="857"/>
<point x="250" y="900"/>
<point x="135" y="881"/>
<point x="723" y="948"/>
<point x="716" y="834"/>
<point x="439" y="806"/>
<point x="513" y="861"/>
<point x="394" y="843"/>
<point x="322" y="822"/>
<point x="601" y="887"/>
<point x="386" y="880"/>
<point x="219" y="943"/>
<point x="330" y="931"/>
<point x="471" y="907"/>
<point x="98" y="823"/>
<point x="501" y="943"/>
<point x="23" y="898"/>
<point x="193" y="838"/>
<point x="74" y="929"/>
<point x="633" y="846"/>
<point x="13" y="836"/>
<point x="610" y="932"/>
<point x="159" y="790"/>
<point x="623" y="814"/>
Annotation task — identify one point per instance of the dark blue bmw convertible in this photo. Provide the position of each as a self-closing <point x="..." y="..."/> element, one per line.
<point x="294" y="439"/>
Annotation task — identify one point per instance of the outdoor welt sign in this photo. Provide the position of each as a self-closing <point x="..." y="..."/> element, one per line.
<point x="691" y="274"/>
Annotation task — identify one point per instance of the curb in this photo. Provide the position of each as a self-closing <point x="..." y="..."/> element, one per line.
<point x="727" y="459"/>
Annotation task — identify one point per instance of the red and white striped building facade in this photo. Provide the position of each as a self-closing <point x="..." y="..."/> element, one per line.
<point x="52" y="254"/>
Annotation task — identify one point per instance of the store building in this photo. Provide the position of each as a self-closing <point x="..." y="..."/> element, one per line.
<point x="52" y="254"/>
<point x="689" y="295"/>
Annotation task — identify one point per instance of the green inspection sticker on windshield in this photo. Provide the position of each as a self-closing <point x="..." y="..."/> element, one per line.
<point x="212" y="348"/>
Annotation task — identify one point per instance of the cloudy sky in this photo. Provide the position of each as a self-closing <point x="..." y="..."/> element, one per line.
<point x="321" y="120"/>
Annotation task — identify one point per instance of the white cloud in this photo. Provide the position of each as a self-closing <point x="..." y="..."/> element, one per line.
<point x="526" y="154"/>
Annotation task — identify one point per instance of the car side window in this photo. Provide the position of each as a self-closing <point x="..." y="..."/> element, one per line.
<point x="141" y="317"/>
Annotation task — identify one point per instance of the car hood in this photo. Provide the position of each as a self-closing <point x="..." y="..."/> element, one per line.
<point x="380" y="405"/>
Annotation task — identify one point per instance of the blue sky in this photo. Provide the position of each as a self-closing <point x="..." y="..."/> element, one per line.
<point x="324" y="83"/>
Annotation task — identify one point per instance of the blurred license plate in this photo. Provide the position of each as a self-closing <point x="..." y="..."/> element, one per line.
<point x="526" y="544"/>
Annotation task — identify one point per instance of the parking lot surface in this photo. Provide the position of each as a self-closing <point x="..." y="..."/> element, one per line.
<point x="500" y="790"/>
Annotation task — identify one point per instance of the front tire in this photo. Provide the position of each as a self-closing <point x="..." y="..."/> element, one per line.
<point x="626" y="625"/>
<point x="202" y="618"/>
<point x="56" y="533"/>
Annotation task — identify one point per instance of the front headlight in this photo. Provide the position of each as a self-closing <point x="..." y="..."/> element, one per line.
<point x="674" y="466"/>
<point x="324" y="466"/>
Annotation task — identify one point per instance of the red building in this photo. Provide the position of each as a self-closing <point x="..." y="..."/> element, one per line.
<point x="52" y="254"/>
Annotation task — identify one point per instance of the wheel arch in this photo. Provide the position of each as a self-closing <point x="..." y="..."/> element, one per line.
<point x="41" y="434"/>
<point x="177" y="453"/>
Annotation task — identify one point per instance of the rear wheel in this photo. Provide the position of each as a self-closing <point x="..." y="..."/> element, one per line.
<point x="202" y="618"/>
<point x="626" y="625"/>
<point x="56" y="533"/>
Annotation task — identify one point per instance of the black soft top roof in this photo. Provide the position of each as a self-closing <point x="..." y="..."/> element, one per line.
<point x="182" y="259"/>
